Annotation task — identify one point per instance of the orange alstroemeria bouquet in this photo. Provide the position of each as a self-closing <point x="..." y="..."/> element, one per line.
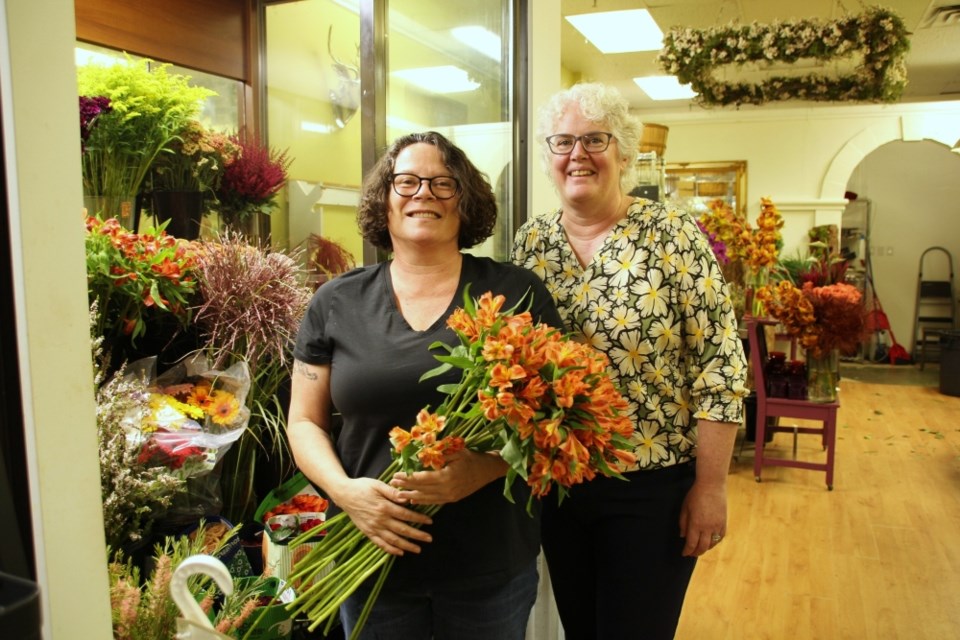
<point x="543" y="400"/>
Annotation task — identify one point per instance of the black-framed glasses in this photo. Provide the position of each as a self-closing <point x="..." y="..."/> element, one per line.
<point x="442" y="187"/>
<point x="594" y="142"/>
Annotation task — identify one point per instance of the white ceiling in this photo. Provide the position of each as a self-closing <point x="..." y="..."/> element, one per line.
<point x="933" y="62"/>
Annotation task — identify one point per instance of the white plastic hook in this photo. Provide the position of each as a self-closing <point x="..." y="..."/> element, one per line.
<point x="207" y="565"/>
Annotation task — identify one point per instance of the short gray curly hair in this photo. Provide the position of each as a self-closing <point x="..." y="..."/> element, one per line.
<point x="601" y="104"/>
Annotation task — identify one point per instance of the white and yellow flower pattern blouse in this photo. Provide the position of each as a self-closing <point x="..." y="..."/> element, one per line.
<point x="653" y="299"/>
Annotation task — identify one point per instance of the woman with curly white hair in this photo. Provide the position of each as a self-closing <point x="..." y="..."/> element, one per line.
<point x="638" y="281"/>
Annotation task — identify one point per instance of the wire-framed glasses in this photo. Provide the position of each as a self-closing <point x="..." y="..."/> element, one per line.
<point x="594" y="142"/>
<point x="442" y="187"/>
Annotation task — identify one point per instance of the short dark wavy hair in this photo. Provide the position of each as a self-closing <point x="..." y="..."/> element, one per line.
<point x="477" y="208"/>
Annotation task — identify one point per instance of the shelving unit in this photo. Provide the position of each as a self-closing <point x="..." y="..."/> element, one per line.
<point x="855" y="234"/>
<point x="855" y="247"/>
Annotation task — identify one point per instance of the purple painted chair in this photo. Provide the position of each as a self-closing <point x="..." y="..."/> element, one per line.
<point x="768" y="407"/>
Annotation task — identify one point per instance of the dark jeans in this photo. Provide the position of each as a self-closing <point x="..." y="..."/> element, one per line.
<point x="613" y="551"/>
<point x="470" y="610"/>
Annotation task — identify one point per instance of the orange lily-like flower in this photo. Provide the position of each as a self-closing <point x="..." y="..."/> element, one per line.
<point x="488" y="309"/>
<point x="497" y="350"/>
<point x="502" y="376"/>
<point x="400" y="438"/>
<point x="463" y="323"/>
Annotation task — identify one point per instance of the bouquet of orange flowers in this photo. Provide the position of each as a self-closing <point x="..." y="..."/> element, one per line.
<point x="544" y="401"/>
<point x="821" y="318"/>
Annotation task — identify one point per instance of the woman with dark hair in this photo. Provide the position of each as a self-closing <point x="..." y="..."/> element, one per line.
<point x="470" y="571"/>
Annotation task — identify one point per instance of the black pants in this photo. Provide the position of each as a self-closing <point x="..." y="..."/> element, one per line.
<point x="613" y="551"/>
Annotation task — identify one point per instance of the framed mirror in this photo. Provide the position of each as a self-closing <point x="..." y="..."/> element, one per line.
<point x="692" y="185"/>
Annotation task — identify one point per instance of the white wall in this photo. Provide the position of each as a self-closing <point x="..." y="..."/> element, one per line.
<point x="914" y="193"/>
<point x="42" y="151"/>
<point x="543" y="54"/>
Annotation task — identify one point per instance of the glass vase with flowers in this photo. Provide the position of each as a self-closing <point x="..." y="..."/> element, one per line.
<point x="141" y="107"/>
<point x="828" y="321"/>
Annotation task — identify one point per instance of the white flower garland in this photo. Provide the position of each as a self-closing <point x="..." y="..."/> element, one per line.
<point x="878" y="35"/>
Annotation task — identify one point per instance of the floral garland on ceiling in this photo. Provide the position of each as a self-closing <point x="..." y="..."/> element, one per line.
<point x="878" y="35"/>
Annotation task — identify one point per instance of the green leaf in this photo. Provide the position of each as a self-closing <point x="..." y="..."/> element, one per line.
<point x="508" y="484"/>
<point x="457" y="361"/>
<point x="512" y="454"/>
<point x="436" y="371"/>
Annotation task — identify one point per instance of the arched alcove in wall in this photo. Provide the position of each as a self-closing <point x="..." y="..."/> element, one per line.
<point x="907" y="128"/>
<point x="913" y="189"/>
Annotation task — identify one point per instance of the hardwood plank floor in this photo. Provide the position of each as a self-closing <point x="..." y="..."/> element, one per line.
<point x="876" y="558"/>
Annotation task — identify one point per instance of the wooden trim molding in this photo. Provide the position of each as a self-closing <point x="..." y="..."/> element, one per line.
<point x="206" y="35"/>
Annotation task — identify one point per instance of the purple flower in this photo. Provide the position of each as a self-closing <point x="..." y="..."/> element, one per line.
<point x="90" y="110"/>
<point x="719" y="247"/>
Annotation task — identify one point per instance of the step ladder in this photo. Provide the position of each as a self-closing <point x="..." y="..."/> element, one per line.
<point x="935" y="311"/>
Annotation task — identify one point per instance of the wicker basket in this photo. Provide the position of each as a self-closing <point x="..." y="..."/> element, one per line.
<point x="653" y="138"/>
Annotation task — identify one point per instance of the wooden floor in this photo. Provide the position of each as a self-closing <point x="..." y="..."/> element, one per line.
<point x="877" y="557"/>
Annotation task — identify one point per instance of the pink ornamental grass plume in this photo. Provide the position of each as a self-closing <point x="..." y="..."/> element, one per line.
<point x="252" y="301"/>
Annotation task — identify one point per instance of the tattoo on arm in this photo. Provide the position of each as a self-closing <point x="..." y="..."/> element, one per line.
<point x="304" y="370"/>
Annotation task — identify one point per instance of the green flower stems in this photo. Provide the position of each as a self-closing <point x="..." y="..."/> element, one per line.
<point x="353" y="557"/>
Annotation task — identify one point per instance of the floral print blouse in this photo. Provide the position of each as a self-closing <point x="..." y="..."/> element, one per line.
<point x="653" y="299"/>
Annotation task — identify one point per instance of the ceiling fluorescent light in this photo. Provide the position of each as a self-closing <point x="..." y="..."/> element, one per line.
<point x="315" y="127"/>
<point x="480" y="39"/>
<point x="619" y="31"/>
<point x="665" y="88"/>
<point x="445" y="79"/>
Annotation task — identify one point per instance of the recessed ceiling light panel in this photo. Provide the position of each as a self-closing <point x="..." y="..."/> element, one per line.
<point x="665" y="88"/>
<point x="619" y="31"/>
<point x="445" y="79"/>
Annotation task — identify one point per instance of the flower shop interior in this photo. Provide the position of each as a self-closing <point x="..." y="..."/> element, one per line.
<point x="869" y="180"/>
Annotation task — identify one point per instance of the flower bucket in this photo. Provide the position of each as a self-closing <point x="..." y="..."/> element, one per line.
<point x="183" y="209"/>
<point x="119" y="207"/>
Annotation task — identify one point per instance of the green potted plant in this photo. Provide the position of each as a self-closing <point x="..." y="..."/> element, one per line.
<point x="144" y="107"/>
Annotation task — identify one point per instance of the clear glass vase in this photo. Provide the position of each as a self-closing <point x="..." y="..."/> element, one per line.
<point x="823" y="376"/>
<point x="119" y="207"/>
<point x="753" y="281"/>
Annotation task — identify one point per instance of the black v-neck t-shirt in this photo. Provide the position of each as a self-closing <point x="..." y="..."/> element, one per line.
<point x="376" y="362"/>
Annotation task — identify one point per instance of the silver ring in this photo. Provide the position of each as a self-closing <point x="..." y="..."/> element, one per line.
<point x="715" y="538"/>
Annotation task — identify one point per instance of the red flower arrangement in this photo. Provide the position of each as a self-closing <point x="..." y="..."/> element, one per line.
<point x="544" y="401"/>
<point x="303" y="512"/>
<point x="821" y="318"/>
<point x="251" y="182"/>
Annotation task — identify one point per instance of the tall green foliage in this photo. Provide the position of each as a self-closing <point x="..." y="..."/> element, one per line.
<point x="148" y="107"/>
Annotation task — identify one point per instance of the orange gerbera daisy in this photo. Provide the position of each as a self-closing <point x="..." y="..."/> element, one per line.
<point x="201" y="396"/>
<point x="223" y="407"/>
